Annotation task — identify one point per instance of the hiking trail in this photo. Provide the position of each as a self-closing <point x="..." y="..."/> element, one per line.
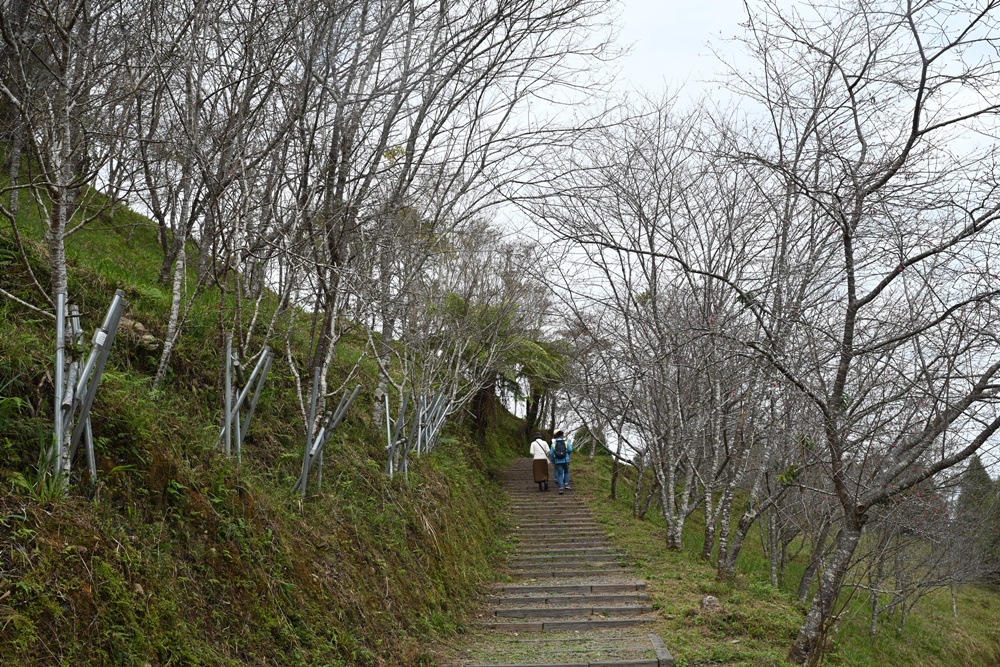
<point x="572" y="600"/>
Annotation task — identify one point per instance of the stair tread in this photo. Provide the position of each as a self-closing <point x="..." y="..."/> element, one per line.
<point x="570" y="600"/>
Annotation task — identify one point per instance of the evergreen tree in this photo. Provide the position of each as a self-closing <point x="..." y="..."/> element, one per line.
<point x="979" y="509"/>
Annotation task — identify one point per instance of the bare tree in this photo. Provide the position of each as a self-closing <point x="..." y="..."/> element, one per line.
<point x="64" y="83"/>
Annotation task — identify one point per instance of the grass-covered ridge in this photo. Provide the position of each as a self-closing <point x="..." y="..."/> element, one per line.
<point x="181" y="558"/>
<point x="758" y="621"/>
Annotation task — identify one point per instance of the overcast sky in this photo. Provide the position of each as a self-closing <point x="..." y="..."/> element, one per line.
<point x="670" y="41"/>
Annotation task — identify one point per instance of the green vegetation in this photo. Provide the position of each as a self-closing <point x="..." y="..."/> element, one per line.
<point x="178" y="557"/>
<point x="759" y="622"/>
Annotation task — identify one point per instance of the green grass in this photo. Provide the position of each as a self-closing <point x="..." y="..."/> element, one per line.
<point x="759" y="622"/>
<point x="181" y="558"/>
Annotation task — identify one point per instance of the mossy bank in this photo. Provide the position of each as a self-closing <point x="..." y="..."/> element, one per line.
<point x="178" y="556"/>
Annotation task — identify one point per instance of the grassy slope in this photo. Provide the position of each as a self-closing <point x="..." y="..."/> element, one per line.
<point x="180" y="558"/>
<point x="759" y="622"/>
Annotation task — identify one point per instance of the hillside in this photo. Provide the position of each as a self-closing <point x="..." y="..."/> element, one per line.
<point x="758" y="621"/>
<point x="178" y="556"/>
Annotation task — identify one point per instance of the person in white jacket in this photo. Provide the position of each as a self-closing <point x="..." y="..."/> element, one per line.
<point x="540" y="462"/>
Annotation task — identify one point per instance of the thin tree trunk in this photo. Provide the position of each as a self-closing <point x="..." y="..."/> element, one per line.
<point x="384" y="352"/>
<point x="815" y="558"/>
<point x="649" y="499"/>
<point x="637" y="493"/>
<point x="552" y="412"/>
<point x="177" y="288"/>
<point x="14" y="173"/>
<point x="772" y="545"/>
<point x="675" y="531"/>
<point x="712" y="511"/>
<point x="725" y="520"/>
<point x="615" y="470"/>
<point x="808" y="645"/>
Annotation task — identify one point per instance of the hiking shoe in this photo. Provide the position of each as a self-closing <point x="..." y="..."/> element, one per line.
<point x="569" y="488"/>
<point x="560" y="492"/>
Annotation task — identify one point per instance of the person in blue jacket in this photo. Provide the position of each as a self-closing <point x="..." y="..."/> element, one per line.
<point x="561" y="449"/>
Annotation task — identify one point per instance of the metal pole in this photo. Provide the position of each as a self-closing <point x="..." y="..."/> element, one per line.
<point x="59" y="381"/>
<point x="241" y="395"/>
<point x="337" y="414"/>
<point x="237" y="435"/>
<point x="399" y="426"/>
<point x="103" y="340"/>
<point x="310" y="425"/>
<point x="88" y="443"/>
<point x="311" y="448"/>
<point x="313" y="398"/>
<point x="343" y="407"/>
<point x="67" y="410"/>
<point x="421" y="424"/>
<point x="388" y="435"/>
<point x="228" y="355"/>
<point x="256" y="394"/>
<point x="76" y="336"/>
<point x="318" y="446"/>
<point x="319" y="470"/>
<point x="76" y="331"/>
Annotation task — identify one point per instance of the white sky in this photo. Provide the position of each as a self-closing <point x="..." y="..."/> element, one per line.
<point x="671" y="42"/>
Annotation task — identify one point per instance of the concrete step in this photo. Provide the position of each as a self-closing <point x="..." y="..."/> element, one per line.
<point x="608" y="648"/>
<point x="559" y="550"/>
<point x="531" y="490"/>
<point x="594" y="530"/>
<point x="556" y="529"/>
<point x="589" y="557"/>
<point x="561" y="544"/>
<point x="522" y="589"/>
<point x="547" y="516"/>
<point x="547" y="538"/>
<point x="566" y="563"/>
<point x="589" y="526"/>
<point x="568" y="600"/>
<point x="642" y="662"/>
<point x="567" y="574"/>
<point x="572" y="612"/>
<point x="563" y="625"/>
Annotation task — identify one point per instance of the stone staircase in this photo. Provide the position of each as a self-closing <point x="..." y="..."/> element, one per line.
<point x="573" y="601"/>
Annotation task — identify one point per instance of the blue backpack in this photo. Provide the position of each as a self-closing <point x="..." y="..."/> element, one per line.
<point x="559" y="449"/>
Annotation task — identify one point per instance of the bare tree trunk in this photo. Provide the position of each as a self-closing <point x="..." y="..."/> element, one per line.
<point x="808" y="644"/>
<point x="384" y="352"/>
<point x="637" y="492"/>
<point x="712" y="511"/>
<point x="772" y="545"/>
<point x="815" y="558"/>
<point x="177" y="288"/>
<point x="725" y="520"/>
<point x="173" y="321"/>
<point x="14" y="172"/>
<point x="649" y="499"/>
<point x="615" y="470"/>
<point x="675" y="527"/>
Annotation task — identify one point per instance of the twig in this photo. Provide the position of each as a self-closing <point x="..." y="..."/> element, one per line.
<point x="26" y="304"/>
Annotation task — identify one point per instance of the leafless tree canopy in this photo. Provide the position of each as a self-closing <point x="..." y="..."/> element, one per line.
<point x="794" y="294"/>
<point x="787" y="296"/>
